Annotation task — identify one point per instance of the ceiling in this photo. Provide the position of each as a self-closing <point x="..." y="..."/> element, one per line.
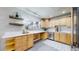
<point x="44" y="12"/>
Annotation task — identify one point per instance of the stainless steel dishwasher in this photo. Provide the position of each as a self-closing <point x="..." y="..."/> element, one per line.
<point x="51" y="33"/>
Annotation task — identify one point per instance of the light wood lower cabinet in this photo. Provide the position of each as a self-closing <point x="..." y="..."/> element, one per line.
<point x="68" y="38"/>
<point x="63" y="37"/>
<point x="9" y="44"/>
<point x="24" y="42"/>
<point x="18" y="44"/>
<point x="36" y="37"/>
<point x="30" y="41"/>
<point x="21" y="43"/>
<point x="44" y="35"/>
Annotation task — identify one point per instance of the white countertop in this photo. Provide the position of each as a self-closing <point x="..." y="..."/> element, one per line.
<point x="14" y="34"/>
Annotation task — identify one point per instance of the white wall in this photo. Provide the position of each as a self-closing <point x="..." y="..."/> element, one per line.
<point x="4" y="19"/>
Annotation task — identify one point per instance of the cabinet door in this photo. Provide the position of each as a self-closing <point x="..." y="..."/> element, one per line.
<point x="18" y="43"/>
<point x="9" y="44"/>
<point x="36" y="36"/>
<point x="57" y="36"/>
<point x="68" y="39"/>
<point x="30" y="41"/>
<point x="63" y="37"/>
<point x="44" y="35"/>
<point x="21" y="43"/>
<point x="24" y="42"/>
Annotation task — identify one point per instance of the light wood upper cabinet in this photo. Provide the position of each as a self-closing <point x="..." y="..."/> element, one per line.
<point x="61" y="21"/>
<point x="57" y="21"/>
<point x="45" y="23"/>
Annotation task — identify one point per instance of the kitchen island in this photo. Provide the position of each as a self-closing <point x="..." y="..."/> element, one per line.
<point x="17" y="41"/>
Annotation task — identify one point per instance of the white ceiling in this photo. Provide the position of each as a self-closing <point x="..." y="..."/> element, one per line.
<point x="45" y="11"/>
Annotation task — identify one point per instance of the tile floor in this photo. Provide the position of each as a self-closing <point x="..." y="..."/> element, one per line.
<point x="41" y="46"/>
<point x="48" y="45"/>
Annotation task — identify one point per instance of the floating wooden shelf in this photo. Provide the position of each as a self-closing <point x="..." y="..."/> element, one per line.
<point x="17" y="24"/>
<point x="18" y="18"/>
<point x="17" y="21"/>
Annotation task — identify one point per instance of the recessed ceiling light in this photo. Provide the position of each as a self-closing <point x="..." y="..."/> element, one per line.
<point x="63" y="12"/>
